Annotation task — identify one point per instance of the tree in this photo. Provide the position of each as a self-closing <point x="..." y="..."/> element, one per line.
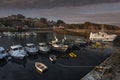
<point x="43" y="20"/>
<point x="59" y="22"/>
<point x="20" y="16"/>
<point x="1" y="24"/>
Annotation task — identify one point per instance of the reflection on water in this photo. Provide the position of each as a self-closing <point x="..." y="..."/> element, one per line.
<point x="19" y="62"/>
<point x="8" y="41"/>
<point x="25" y="69"/>
<point x="3" y="63"/>
<point x="42" y="37"/>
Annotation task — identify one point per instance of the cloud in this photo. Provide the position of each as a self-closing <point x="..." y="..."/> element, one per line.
<point x="100" y="13"/>
<point x="23" y="4"/>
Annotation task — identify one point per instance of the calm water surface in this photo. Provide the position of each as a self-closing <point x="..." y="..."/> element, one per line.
<point x="64" y="69"/>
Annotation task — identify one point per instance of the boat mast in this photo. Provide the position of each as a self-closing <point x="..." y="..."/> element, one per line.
<point x="102" y="29"/>
<point x="65" y="37"/>
<point x="56" y="39"/>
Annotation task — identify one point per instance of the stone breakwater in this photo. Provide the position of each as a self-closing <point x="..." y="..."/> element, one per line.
<point x="83" y="32"/>
<point x="110" y="69"/>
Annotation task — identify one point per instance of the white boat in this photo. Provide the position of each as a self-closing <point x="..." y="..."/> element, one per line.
<point x="9" y="34"/>
<point x="44" y="48"/>
<point x="59" y="47"/>
<point x="27" y="33"/>
<point x="31" y="48"/>
<point x="3" y="53"/>
<point x="52" y="58"/>
<point x="34" y="33"/>
<point x="40" y="66"/>
<point x="80" y="41"/>
<point x="102" y="36"/>
<point x="17" y="51"/>
<point x="54" y="41"/>
<point x="22" y="34"/>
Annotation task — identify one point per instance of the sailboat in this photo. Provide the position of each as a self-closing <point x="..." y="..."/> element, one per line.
<point x="64" y="39"/>
<point x="58" y="46"/>
<point x="54" y="41"/>
<point x="102" y="36"/>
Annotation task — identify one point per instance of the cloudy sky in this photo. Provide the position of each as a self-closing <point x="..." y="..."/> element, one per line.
<point x="71" y="11"/>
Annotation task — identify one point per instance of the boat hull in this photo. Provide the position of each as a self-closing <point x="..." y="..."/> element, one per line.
<point x="18" y="57"/>
<point x="52" y="58"/>
<point x="102" y="37"/>
<point x="59" y="47"/>
<point x="63" y="49"/>
<point x="2" y="56"/>
<point x="40" y="67"/>
<point x="32" y="52"/>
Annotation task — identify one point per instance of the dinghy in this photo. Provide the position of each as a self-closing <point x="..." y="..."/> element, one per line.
<point x="40" y="66"/>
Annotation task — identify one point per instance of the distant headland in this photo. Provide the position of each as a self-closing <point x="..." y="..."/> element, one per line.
<point x="19" y="23"/>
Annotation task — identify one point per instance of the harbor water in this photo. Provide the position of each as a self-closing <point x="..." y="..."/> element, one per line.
<point x="65" y="68"/>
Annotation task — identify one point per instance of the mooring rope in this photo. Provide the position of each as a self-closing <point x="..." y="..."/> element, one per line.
<point x="73" y="66"/>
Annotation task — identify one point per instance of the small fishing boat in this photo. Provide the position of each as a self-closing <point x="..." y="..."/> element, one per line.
<point x="31" y="48"/>
<point x="52" y="58"/>
<point x="54" y="41"/>
<point x="8" y="34"/>
<point x="17" y="51"/>
<point x="40" y="66"/>
<point x="59" y="47"/>
<point x="34" y="33"/>
<point x="102" y="36"/>
<point x="72" y="55"/>
<point x="3" y="53"/>
<point x="81" y="42"/>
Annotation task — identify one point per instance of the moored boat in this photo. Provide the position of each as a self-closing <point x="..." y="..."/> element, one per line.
<point x="102" y="36"/>
<point x="31" y="48"/>
<point x="17" y="51"/>
<point x="52" y="58"/>
<point x="44" y="48"/>
<point x="34" y="33"/>
<point x="9" y="34"/>
<point x="3" y="53"/>
<point x="54" y="41"/>
<point x="72" y="55"/>
<point x="59" y="47"/>
<point x="40" y="66"/>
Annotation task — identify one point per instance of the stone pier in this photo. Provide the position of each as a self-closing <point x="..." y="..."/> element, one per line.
<point x="107" y="70"/>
